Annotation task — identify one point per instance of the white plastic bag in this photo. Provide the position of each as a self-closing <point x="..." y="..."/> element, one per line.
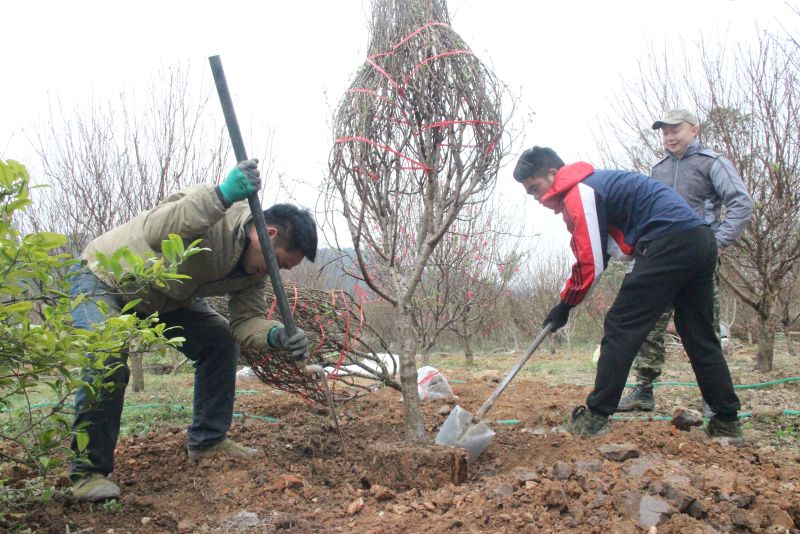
<point x="431" y="384"/>
<point x="596" y="356"/>
<point x="245" y="374"/>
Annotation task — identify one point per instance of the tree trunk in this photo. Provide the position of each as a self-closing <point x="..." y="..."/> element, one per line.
<point x="137" y="372"/>
<point x="766" y="344"/>
<point x="426" y="357"/>
<point x="178" y="360"/>
<point x="414" y="422"/>
<point x="468" y="356"/>
<point x="787" y="332"/>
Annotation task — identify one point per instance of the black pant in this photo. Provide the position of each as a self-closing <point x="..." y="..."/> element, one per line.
<point x="677" y="269"/>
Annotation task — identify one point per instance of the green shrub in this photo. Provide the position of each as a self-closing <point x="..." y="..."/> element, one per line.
<point x="42" y="356"/>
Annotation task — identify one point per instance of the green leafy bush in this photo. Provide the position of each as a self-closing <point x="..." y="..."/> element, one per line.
<point x="42" y="356"/>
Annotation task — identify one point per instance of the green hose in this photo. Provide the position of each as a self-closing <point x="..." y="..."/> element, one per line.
<point x="269" y="419"/>
<point x="180" y="407"/>
<point x="176" y="406"/>
<point x="742" y="415"/>
<point x="266" y="418"/>
<point x="736" y="386"/>
<point x="739" y="386"/>
<point x="150" y="406"/>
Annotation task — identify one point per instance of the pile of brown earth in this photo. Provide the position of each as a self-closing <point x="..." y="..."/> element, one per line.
<point x="531" y="479"/>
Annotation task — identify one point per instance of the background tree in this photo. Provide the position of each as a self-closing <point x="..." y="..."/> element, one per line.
<point x="480" y="272"/>
<point x="106" y="164"/>
<point x="418" y="137"/>
<point x="536" y="287"/>
<point x="748" y="101"/>
<point x="465" y="277"/>
<point x="329" y="271"/>
<point x="789" y="307"/>
<point x="754" y="120"/>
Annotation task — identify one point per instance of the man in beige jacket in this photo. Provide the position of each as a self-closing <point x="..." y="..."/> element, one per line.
<point x="234" y="265"/>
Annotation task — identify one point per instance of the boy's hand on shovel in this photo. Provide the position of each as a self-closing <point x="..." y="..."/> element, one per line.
<point x="558" y="316"/>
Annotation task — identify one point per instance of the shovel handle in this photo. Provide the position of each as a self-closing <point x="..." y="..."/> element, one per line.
<point x="510" y="376"/>
<point x="255" y="204"/>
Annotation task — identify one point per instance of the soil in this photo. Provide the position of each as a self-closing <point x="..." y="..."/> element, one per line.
<point x="643" y="476"/>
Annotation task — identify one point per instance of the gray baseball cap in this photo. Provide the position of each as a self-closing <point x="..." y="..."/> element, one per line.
<point x="676" y="116"/>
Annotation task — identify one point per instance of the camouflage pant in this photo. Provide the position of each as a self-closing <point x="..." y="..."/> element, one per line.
<point x="649" y="362"/>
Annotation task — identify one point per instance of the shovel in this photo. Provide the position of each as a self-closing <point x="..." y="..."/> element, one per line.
<point x="261" y="229"/>
<point x="461" y="429"/>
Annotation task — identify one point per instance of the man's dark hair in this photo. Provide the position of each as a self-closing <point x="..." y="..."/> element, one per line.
<point x="536" y="162"/>
<point x="296" y="229"/>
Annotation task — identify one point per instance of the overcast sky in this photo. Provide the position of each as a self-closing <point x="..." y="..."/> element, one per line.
<point x="288" y="62"/>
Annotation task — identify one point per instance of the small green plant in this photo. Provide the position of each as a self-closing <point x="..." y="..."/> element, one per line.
<point x="142" y="419"/>
<point x="133" y="271"/>
<point x="788" y="430"/>
<point x="42" y="356"/>
<point x="113" y="506"/>
<point x="13" y="499"/>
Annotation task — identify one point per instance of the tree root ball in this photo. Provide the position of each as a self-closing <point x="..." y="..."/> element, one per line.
<point x="402" y="467"/>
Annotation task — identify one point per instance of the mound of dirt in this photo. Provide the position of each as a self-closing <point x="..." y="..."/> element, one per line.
<point x="532" y="478"/>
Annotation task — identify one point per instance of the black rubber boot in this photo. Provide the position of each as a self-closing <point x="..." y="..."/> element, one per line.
<point x="639" y="399"/>
<point x="584" y="423"/>
<point x="732" y="431"/>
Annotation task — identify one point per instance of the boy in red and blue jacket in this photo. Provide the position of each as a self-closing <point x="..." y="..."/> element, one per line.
<point x="624" y="214"/>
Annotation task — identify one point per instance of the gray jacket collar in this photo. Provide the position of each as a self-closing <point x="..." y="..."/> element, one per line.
<point x="693" y="148"/>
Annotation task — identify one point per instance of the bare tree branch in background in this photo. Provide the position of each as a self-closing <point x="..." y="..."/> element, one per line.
<point x="474" y="266"/>
<point x="329" y="271"/>
<point x="788" y="308"/>
<point x="537" y="286"/>
<point x="753" y="117"/>
<point x="108" y="163"/>
<point x="748" y="100"/>
<point x="119" y="157"/>
<point x="627" y="140"/>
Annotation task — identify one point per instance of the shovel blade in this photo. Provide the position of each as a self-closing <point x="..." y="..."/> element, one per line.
<point x="459" y="430"/>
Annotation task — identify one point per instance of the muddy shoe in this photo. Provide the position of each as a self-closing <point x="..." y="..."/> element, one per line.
<point x="732" y="430"/>
<point x="226" y="446"/>
<point x="95" y="487"/>
<point x="641" y="398"/>
<point x="585" y="423"/>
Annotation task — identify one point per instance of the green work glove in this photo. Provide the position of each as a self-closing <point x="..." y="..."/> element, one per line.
<point x="297" y="345"/>
<point x="241" y="182"/>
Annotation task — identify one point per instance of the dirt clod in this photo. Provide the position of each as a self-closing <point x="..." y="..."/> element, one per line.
<point x="619" y="452"/>
<point x="402" y="467"/>
<point x="684" y="419"/>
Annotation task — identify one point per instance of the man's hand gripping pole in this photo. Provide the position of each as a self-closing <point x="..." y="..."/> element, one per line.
<point x="263" y="238"/>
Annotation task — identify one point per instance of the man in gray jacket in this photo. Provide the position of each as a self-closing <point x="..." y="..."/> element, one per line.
<point x="708" y="182"/>
<point x="232" y="265"/>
